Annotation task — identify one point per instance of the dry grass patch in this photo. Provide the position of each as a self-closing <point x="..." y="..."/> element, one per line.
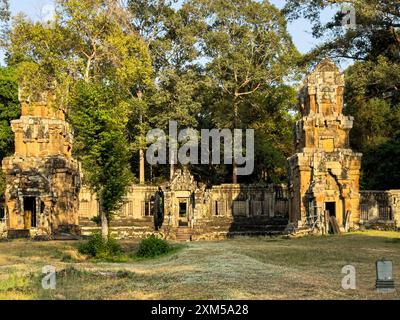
<point x="241" y="268"/>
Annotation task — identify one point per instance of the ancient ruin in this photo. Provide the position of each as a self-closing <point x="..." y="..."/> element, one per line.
<point x="44" y="196"/>
<point x="324" y="173"/>
<point x="193" y="211"/>
<point x="42" y="178"/>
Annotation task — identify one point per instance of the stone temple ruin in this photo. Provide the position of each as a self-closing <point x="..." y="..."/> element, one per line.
<point x="192" y="211"/>
<point x="324" y="173"/>
<point x="44" y="196"/>
<point x="42" y="178"/>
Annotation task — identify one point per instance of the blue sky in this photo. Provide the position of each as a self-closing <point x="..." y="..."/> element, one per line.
<point x="300" y="29"/>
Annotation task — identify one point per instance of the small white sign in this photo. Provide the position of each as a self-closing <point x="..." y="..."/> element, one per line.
<point x="384" y="270"/>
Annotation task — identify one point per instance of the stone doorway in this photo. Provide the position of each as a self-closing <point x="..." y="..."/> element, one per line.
<point x="183" y="213"/>
<point x="30" y="219"/>
<point x="331" y="208"/>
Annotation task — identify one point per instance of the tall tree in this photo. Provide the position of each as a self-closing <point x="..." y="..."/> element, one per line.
<point x="248" y="50"/>
<point x="88" y="50"/>
<point x="376" y="32"/>
<point x="171" y="37"/>
<point x="9" y="110"/>
<point x="99" y="115"/>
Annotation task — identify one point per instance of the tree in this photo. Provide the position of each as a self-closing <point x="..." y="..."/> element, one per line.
<point x="248" y="50"/>
<point x="373" y="98"/>
<point x="381" y="166"/>
<point x="9" y="110"/>
<point x="171" y="37"/>
<point x="99" y="116"/>
<point x="88" y="50"/>
<point x="376" y="32"/>
<point x="273" y="120"/>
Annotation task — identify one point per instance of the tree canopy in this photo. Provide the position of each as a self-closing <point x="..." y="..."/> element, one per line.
<point x="92" y="60"/>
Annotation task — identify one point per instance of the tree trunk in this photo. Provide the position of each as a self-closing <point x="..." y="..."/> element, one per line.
<point x="235" y="123"/>
<point x="141" y="151"/>
<point x="104" y="223"/>
<point x="141" y="167"/>
<point x="171" y="171"/>
<point x="234" y="173"/>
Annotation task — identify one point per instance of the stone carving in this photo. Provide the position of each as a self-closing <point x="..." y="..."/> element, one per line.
<point x="183" y="181"/>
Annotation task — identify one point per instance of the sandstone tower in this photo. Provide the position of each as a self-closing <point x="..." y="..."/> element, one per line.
<point x="324" y="173"/>
<point x="42" y="178"/>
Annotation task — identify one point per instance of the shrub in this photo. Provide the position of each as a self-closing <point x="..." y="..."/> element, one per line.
<point x="153" y="247"/>
<point x="99" y="248"/>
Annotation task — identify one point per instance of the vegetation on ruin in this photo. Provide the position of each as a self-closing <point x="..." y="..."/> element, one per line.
<point x="241" y="268"/>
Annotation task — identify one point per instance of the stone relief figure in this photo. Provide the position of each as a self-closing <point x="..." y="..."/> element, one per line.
<point x="159" y="209"/>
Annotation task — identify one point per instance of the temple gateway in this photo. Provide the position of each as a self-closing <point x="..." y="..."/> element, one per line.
<point x="44" y="196"/>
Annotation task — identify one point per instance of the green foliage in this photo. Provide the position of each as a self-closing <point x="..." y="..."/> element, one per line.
<point x="376" y="34"/>
<point x="88" y="40"/>
<point x="201" y="55"/>
<point x="99" y="248"/>
<point x="380" y="166"/>
<point x="249" y="51"/>
<point x="152" y="247"/>
<point x="9" y="109"/>
<point x="99" y="117"/>
<point x="91" y="59"/>
<point x="373" y="99"/>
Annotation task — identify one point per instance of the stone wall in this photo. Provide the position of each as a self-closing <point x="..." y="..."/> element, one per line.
<point x="209" y="213"/>
<point x="380" y="208"/>
<point x="3" y="229"/>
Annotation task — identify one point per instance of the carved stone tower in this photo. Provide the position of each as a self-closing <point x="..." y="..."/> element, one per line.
<point x="324" y="173"/>
<point x="42" y="178"/>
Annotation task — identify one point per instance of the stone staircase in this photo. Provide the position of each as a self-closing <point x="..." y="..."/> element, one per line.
<point x="183" y="234"/>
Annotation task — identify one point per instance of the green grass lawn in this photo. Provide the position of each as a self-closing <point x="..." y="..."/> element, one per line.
<point x="241" y="268"/>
